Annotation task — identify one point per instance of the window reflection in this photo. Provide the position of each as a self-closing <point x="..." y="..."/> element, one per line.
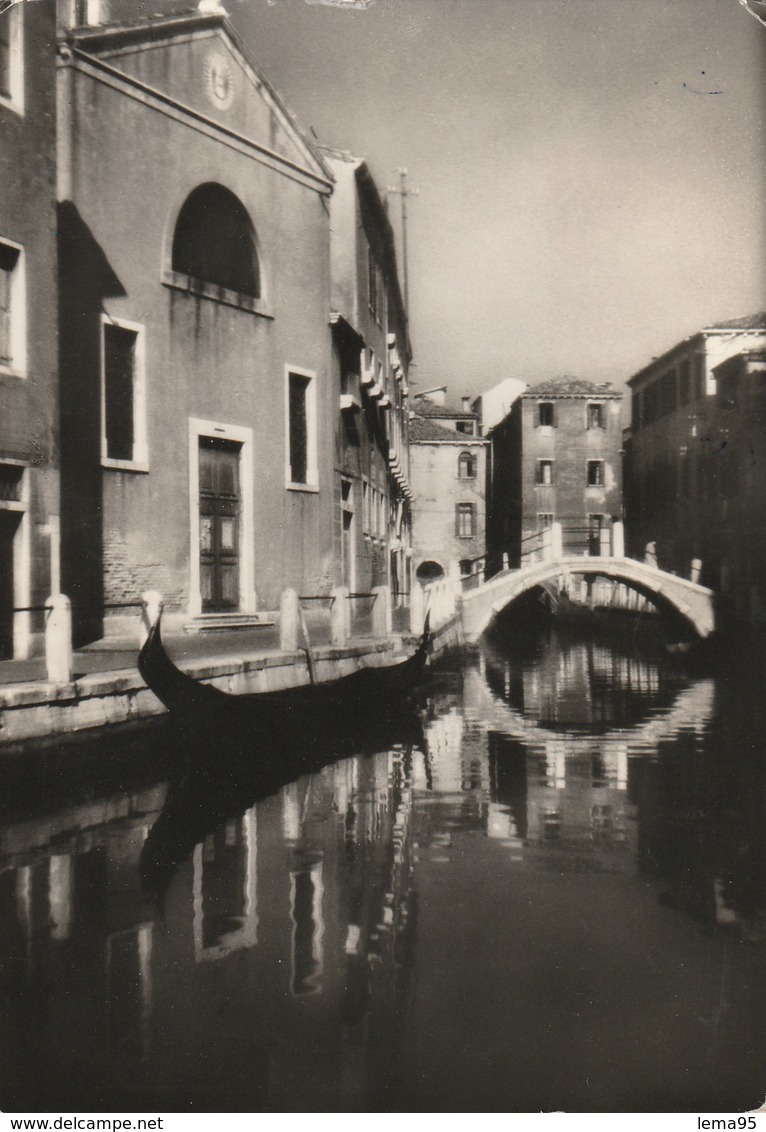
<point x="225" y="889"/>
<point x="306" y="892"/>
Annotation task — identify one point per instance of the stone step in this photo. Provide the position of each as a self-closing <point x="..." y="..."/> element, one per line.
<point x="218" y="622"/>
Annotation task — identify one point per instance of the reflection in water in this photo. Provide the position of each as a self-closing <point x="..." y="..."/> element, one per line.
<point x="561" y="865"/>
<point x="225" y="880"/>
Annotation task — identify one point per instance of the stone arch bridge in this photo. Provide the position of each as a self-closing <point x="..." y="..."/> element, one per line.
<point x="481" y="603"/>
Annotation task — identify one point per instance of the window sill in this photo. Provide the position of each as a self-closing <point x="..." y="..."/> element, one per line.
<point x="124" y="465"/>
<point x="8" y="102"/>
<point x="203" y="290"/>
<point x="311" y="488"/>
<point x="11" y="371"/>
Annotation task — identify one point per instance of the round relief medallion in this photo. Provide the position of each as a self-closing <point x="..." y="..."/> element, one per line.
<point x="219" y="80"/>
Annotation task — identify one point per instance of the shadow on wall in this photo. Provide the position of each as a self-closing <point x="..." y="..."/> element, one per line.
<point x="85" y="280"/>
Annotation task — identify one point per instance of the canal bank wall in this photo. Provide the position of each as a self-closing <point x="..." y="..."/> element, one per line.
<point x="39" y="709"/>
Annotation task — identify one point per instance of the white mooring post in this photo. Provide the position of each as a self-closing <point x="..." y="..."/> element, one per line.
<point x="339" y="616"/>
<point x="650" y="554"/>
<point x="557" y="541"/>
<point x="151" y="607"/>
<point x="289" y="621"/>
<point x="696" y="569"/>
<point x="58" y="639"/>
<point x="618" y="539"/>
<point x="382" y="617"/>
<point x="417" y="608"/>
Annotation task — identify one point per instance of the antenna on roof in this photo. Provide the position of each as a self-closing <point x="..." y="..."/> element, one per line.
<point x="402" y="191"/>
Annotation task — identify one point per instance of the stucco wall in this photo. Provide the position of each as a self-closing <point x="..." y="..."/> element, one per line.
<point x="437" y="491"/>
<point x="204" y="359"/>
<point x="29" y="397"/>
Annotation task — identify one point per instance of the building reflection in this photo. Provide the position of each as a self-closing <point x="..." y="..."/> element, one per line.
<point x="288" y="933"/>
<point x="225" y="889"/>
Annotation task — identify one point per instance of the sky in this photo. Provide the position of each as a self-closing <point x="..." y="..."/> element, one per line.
<point x="590" y="173"/>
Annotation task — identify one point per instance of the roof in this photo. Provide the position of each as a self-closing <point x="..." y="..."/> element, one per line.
<point x="746" y="322"/>
<point x="424" y="431"/>
<point x="571" y="387"/>
<point x="425" y="407"/>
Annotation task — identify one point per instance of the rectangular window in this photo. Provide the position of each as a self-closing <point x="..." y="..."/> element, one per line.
<point x="12" y="332"/>
<point x="635" y="410"/>
<point x="298" y="428"/>
<point x="8" y="258"/>
<point x="545" y="414"/>
<point x="374" y="286"/>
<point x="301" y="469"/>
<point x="544" y="471"/>
<point x="684" y="382"/>
<point x="468" y="428"/>
<point x="596" y="416"/>
<point x="465" y="520"/>
<point x="651" y="403"/>
<point x="11" y="55"/>
<point x="123" y="440"/>
<point x="595" y="473"/>
<point x="5" y="54"/>
<point x="544" y="520"/>
<point x="668" y="393"/>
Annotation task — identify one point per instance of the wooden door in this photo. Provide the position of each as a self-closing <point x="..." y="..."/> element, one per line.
<point x="219" y="518"/>
<point x="9" y="522"/>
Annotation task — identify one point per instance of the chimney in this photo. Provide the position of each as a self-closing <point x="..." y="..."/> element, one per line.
<point x="466" y="404"/>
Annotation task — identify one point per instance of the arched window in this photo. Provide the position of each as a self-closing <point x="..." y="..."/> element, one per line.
<point x="429" y="572"/>
<point x="466" y="466"/>
<point x="214" y="241"/>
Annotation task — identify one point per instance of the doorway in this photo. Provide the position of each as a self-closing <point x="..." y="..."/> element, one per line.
<point x="9" y="525"/>
<point x="219" y="523"/>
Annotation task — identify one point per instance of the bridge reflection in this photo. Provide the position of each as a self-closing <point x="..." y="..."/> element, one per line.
<point x="288" y="932"/>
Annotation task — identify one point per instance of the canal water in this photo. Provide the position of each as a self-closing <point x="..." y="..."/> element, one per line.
<point x="545" y="893"/>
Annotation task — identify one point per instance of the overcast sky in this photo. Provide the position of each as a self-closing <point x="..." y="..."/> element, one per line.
<point x="590" y="172"/>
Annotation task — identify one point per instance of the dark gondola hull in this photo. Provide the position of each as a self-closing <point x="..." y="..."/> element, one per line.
<point x="323" y="708"/>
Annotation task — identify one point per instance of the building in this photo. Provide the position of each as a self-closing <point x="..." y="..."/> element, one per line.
<point x="694" y="456"/>
<point x="29" y="478"/>
<point x="198" y="398"/>
<point x="448" y="463"/>
<point x="556" y="457"/>
<point x="371" y="354"/>
<point x="494" y="404"/>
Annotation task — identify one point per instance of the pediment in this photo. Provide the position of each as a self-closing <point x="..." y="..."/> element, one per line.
<point x="199" y="64"/>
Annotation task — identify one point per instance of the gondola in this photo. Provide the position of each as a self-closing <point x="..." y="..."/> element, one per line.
<point x="322" y="707"/>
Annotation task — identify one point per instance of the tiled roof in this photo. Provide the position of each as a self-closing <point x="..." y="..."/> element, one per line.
<point x="746" y="322"/>
<point x="571" y="387"/>
<point x="425" y="407"/>
<point x="423" y="431"/>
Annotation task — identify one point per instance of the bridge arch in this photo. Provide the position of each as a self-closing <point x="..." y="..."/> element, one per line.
<point x="694" y="603"/>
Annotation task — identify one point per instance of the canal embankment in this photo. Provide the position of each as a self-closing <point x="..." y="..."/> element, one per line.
<point x="106" y="688"/>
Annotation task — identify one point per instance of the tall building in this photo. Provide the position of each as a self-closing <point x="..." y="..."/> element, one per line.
<point x="29" y="478"/>
<point x="694" y="461"/>
<point x="371" y="354"/>
<point x="195" y="366"/>
<point x="448" y="461"/>
<point x="556" y="457"/>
